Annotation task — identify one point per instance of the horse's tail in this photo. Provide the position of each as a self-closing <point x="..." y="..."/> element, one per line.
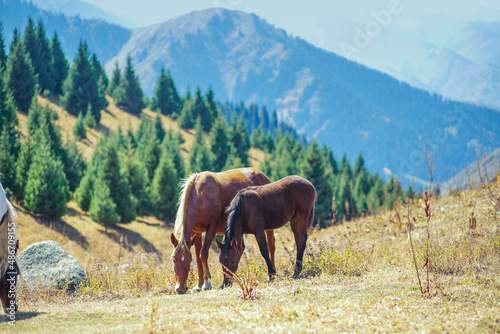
<point x="233" y="211"/>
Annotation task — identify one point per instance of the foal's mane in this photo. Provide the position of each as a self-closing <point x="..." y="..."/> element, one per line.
<point x="233" y="212"/>
<point x="181" y="210"/>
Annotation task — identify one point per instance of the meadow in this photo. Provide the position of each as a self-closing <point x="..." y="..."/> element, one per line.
<point x="357" y="277"/>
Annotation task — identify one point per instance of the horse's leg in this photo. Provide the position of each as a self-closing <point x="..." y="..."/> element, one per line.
<point x="271" y="243"/>
<point x="197" y="248"/>
<point x="209" y="237"/>
<point x="260" y="236"/>
<point x="299" y="228"/>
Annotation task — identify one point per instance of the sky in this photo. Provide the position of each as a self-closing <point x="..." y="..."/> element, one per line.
<point x="316" y="21"/>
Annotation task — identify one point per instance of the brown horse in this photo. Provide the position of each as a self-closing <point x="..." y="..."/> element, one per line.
<point x="8" y="250"/>
<point x="202" y="208"/>
<point x="257" y="209"/>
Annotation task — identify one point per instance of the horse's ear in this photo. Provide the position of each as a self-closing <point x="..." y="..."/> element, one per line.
<point x="174" y="240"/>
<point x="219" y="244"/>
<point x="193" y="239"/>
<point x="233" y="243"/>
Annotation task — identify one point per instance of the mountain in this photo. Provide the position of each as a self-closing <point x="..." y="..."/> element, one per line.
<point x="344" y="104"/>
<point x="102" y="37"/>
<point x="456" y="57"/>
<point x="82" y="9"/>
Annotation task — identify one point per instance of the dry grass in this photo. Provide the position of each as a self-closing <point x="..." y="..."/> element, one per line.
<point x="357" y="277"/>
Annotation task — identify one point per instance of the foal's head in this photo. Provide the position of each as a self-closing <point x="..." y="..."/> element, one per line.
<point x="229" y="258"/>
<point x="181" y="256"/>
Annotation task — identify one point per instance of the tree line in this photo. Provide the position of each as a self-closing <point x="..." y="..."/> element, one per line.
<point x="138" y="172"/>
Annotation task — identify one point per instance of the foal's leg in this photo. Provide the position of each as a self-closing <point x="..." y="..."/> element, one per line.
<point x="260" y="236"/>
<point x="209" y="237"/>
<point x="271" y="243"/>
<point x="197" y="248"/>
<point x="299" y="228"/>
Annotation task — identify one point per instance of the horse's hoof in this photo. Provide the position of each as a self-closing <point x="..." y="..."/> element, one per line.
<point x="207" y="286"/>
<point x="197" y="289"/>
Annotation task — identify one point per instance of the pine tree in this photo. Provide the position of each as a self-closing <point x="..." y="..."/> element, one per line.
<point x="199" y="156"/>
<point x="115" y="79"/>
<point x="46" y="190"/>
<point x="74" y="164"/>
<point x="233" y="160"/>
<point x="283" y="166"/>
<point x="79" y="130"/>
<point x="20" y="75"/>
<point x="186" y="119"/>
<point x="80" y="87"/>
<point x="43" y="65"/>
<point x="343" y="198"/>
<point x="118" y="186"/>
<point x="201" y="110"/>
<point x="31" y="45"/>
<point x="7" y="162"/>
<point x="360" y="192"/>
<point x="164" y="189"/>
<point x="219" y="143"/>
<point x="3" y="56"/>
<point x="89" y="119"/>
<point x="149" y="153"/>
<point x="83" y="194"/>
<point x="239" y="138"/>
<point x="312" y="169"/>
<point x="212" y="107"/>
<point x="8" y="113"/>
<point x="137" y="177"/>
<point x="376" y="195"/>
<point x="128" y="94"/>
<point x="359" y="166"/>
<point x="59" y="64"/>
<point x="102" y="207"/>
<point x="166" y="98"/>
<point x="99" y="76"/>
<point x="171" y="144"/>
<point x="22" y="166"/>
<point x="160" y="132"/>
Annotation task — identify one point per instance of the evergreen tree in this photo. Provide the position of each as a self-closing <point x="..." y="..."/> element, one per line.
<point x="212" y="107"/>
<point x="79" y="130"/>
<point x="376" y="195"/>
<point x="171" y="144"/>
<point x="201" y="110"/>
<point x="115" y="80"/>
<point x="30" y="42"/>
<point x="80" y="87"/>
<point x="118" y="186"/>
<point x="166" y="98"/>
<point x="186" y="118"/>
<point x="329" y="159"/>
<point x="239" y="138"/>
<point x="74" y="165"/>
<point x="164" y="189"/>
<point x="343" y="198"/>
<point x="59" y="64"/>
<point x="160" y="132"/>
<point x="46" y="190"/>
<point x="360" y="192"/>
<point x="8" y="114"/>
<point x="83" y="194"/>
<point x="233" y="160"/>
<point x="102" y="208"/>
<point x="199" y="156"/>
<point x="7" y="162"/>
<point x="3" y="56"/>
<point x="137" y="178"/>
<point x="99" y="76"/>
<point x="312" y="169"/>
<point x="20" y="75"/>
<point x="128" y="95"/>
<point x="22" y="166"/>
<point x="219" y="143"/>
<point x="42" y="64"/>
<point x="150" y="153"/>
<point x="89" y="119"/>
<point x="283" y="166"/>
<point x="359" y="166"/>
<point x="257" y="139"/>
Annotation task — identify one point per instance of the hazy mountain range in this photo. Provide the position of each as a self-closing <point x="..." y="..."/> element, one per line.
<point x="344" y="104"/>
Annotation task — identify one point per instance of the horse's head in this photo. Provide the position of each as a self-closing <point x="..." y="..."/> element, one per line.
<point x="8" y="285"/>
<point x="229" y="258"/>
<point x="181" y="257"/>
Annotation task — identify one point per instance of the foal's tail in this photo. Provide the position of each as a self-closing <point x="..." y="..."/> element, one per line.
<point x="311" y="217"/>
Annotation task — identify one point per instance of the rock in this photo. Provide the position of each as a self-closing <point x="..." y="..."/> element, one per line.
<point x="46" y="264"/>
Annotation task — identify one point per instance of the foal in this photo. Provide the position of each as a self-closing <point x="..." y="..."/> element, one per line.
<point x="257" y="209"/>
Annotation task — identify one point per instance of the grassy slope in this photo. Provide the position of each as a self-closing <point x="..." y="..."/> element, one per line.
<point x="357" y="277"/>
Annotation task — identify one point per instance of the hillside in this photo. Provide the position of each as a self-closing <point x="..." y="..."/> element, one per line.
<point x="349" y="107"/>
<point x="357" y="277"/>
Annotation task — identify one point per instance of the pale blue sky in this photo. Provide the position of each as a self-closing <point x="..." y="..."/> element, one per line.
<point x="314" y="20"/>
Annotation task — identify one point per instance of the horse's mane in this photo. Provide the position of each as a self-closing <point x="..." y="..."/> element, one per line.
<point x="183" y="193"/>
<point x="233" y="212"/>
<point x="10" y="217"/>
